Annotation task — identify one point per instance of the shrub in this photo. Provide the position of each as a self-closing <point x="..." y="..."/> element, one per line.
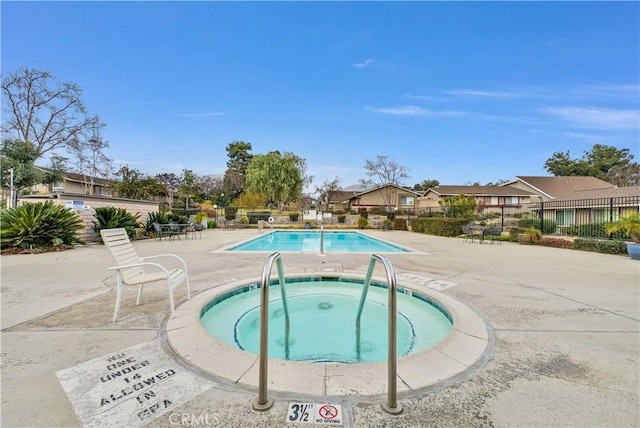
<point x="387" y="223"/>
<point x="39" y="225"/>
<point x="341" y="218"/>
<point x="254" y="217"/>
<point x="439" y="226"/>
<point x="244" y="220"/>
<point x="400" y="224"/>
<point x="155" y="217"/>
<point x="363" y="213"/>
<point x="198" y="218"/>
<point x="211" y="224"/>
<point x="177" y="218"/>
<point x="514" y="232"/>
<point x="112" y="217"/>
<point x="363" y="222"/>
<point x="556" y="243"/>
<point x="379" y="211"/>
<point x="548" y="226"/>
<point x="230" y="213"/>
<point x="611" y="247"/>
<point x="294" y="217"/>
<point x="585" y="244"/>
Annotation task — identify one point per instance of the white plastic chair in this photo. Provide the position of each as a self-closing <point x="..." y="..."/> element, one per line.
<point x="131" y="268"/>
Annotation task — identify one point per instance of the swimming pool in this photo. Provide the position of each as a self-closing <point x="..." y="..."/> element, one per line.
<point x="322" y="312"/>
<point x="309" y="241"/>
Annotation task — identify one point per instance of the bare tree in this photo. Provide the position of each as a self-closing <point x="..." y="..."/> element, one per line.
<point x="386" y="173"/>
<point x="327" y="190"/>
<point x="89" y="158"/>
<point x="48" y="114"/>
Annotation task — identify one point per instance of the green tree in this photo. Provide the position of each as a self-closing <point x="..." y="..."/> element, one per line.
<point x="426" y="185"/>
<point x="604" y="162"/>
<point x="135" y="185"/>
<point x="459" y="206"/>
<point x="239" y="156"/>
<point x="281" y="178"/>
<point x="170" y="183"/>
<point x="21" y="156"/>
<point x="187" y="186"/>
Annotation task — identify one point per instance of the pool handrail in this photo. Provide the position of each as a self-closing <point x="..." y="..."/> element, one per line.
<point x="263" y="403"/>
<point x="391" y="406"/>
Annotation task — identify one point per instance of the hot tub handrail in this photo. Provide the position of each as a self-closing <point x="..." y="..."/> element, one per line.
<point x="262" y="403"/>
<point x="391" y="406"/>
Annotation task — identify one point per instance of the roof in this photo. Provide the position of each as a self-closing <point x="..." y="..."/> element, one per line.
<point x="388" y="185"/>
<point x="615" y="192"/>
<point x="447" y="190"/>
<point x="72" y="176"/>
<point x="341" y="196"/>
<point x="557" y="187"/>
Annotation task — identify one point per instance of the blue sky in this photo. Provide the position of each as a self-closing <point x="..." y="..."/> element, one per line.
<point x="455" y="91"/>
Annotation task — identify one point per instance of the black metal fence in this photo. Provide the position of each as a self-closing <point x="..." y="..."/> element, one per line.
<point x="581" y="217"/>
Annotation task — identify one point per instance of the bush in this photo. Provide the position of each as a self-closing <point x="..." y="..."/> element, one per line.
<point x="244" y="220"/>
<point x="230" y="213"/>
<point x="611" y="247"/>
<point x="379" y="211"/>
<point x="363" y="222"/>
<point x="39" y="225"/>
<point x="514" y="232"/>
<point x="400" y="224"/>
<point x="342" y="218"/>
<point x="254" y="217"/>
<point x="111" y="217"/>
<point x="294" y="217"/>
<point x="439" y="226"/>
<point x="596" y="230"/>
<point x="363" y="213"/>
<point x="177" y="218"/>
<point x="211" y="224"/>
<point x="198" y="218"/>
<point x="556" y="243"/>
<point x="156" y="217"/>
<point x="548" y="226"/>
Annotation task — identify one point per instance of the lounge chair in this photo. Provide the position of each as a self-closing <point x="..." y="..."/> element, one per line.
<point x="131" y="268"/>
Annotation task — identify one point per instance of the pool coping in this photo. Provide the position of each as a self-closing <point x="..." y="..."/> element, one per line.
<point x="467" y="344"/>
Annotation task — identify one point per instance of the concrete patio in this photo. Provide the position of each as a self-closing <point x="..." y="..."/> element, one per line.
<point x="565" y="324"/>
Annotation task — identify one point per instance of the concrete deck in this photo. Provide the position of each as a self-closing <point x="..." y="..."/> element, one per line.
<point x="565" y="326"/>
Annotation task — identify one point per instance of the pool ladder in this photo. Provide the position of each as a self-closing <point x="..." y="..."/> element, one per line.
<point x="262" y="402"/>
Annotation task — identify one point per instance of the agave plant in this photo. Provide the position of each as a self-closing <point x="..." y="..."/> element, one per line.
<point x="112" y="217"/>
<point x="39" y="225"/>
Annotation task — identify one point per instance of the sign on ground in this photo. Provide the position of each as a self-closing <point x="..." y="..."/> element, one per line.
<point x="130" y="387"/>
<point x="435" y="284"/>
<point x="313" y="413"/>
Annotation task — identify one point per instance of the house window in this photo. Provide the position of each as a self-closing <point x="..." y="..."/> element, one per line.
<point x="406" y="200"/>
<point x="565" y="217"/>
<point x="511" y="200"/>
<point x="601" y="215"/>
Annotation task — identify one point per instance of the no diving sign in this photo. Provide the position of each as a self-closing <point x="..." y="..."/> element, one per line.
<point x="330" y="414"/>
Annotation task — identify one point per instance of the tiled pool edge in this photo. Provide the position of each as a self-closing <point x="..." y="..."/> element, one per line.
<point x="462" y="349"/>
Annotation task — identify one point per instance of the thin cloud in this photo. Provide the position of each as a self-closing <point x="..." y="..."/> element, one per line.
<point x="366" y="63"/>
<point x="481" y="93"/>
<point x="624" y="92"/>
<point x="596" y="118"/>
<point x="197" y="115"/>
<point x="415" y="111"/>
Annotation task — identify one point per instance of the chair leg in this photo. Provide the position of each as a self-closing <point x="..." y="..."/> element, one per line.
<point x="118" y="297"/>
<point x="139" y="294"/>
<point x="171" y="302"/>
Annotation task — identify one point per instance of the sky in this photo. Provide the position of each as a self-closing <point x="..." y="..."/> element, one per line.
<point x="460" y="92"/>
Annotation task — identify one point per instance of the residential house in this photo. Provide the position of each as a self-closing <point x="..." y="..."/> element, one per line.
<point x="549" y="188"/>
<point x="399" y="198"/>
<point x="78" y="184"/>
<point x="488" y="197"/>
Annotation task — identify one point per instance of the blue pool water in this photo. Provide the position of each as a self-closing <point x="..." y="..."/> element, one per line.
<point x="322" y="314"/>
<point x="296" y="241"/>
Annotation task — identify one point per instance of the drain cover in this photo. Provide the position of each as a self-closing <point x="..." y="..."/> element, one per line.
<point x="325" y="306"/>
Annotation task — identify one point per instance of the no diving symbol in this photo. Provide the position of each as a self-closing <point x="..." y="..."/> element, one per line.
<point x="327" y="411"/>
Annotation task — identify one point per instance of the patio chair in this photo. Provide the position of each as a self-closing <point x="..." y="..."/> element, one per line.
<point x="470" y="232"/>
<point x="492" y="234"/>
<point x="163" y="231"/>
<point x="132" y="270"/>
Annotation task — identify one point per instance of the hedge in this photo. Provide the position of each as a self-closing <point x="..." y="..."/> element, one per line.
<point x="439" y="226"/>
<point x="548" y="226"/>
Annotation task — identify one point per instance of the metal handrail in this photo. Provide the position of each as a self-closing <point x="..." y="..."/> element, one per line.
<point x="391" y="406"/>
<point x="263" y="403"/>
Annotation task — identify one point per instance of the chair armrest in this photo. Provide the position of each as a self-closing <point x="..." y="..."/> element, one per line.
<point x="184" y="264"/>
<point x="132" y="265"/>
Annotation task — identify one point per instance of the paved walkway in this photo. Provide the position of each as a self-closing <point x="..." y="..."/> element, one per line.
<point x="566" y="326"/>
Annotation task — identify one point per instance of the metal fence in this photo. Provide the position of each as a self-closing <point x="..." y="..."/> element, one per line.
<point x="580" y="217"/>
